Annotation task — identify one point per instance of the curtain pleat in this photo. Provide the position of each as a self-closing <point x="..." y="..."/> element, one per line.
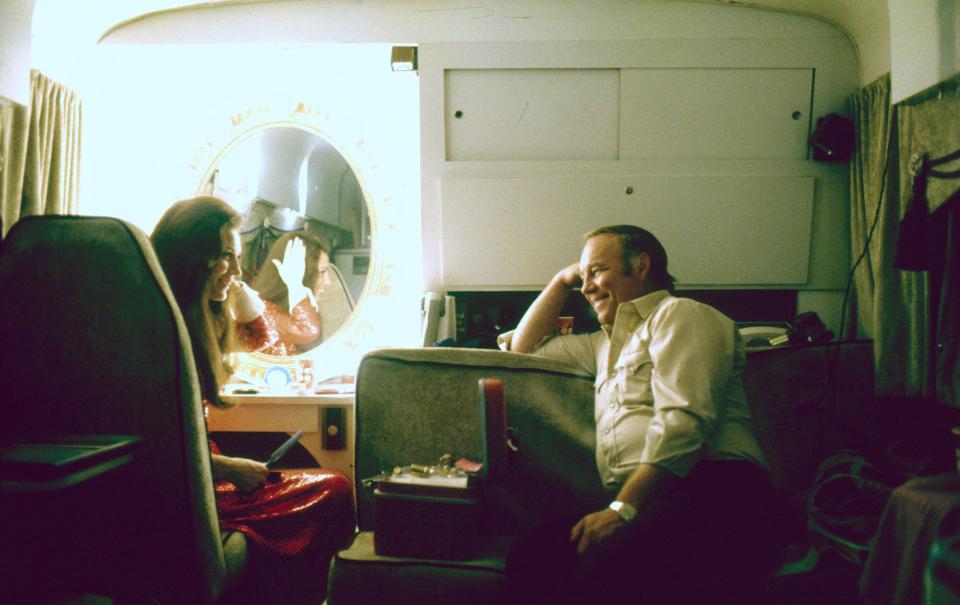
<point x="13" y="156"/>
<point x="872" y="122"/>
<point x="947" y="371"/>
<point x="51" y="174"/>
<point x="930" y="125"/>
<point x="891" y="305"/>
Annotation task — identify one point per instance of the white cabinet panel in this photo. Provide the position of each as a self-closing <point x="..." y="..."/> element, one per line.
<point x="503" y="233"/>
<point x="532" y="114"/>
<point x="729" y="114"/>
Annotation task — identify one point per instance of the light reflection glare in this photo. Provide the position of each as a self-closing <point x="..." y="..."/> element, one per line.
<point x="158" y="117"/>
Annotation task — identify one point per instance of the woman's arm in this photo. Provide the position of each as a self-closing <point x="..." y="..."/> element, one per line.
<point x="246" y="474"/>
<point x="254" y="328"/>
<point x="301" y="326"/>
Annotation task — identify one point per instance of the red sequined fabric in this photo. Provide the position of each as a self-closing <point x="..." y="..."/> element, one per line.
<point x="294" y="330"/>
<point x="295" y="511"/>
<point x="259" y="334"/>
<point x="299" y="511"/>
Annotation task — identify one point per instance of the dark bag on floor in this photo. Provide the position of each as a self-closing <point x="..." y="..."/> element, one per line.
<point x="846" y="502"/>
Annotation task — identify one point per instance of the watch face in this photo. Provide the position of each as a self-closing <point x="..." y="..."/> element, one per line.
<point x="626" y="511"/>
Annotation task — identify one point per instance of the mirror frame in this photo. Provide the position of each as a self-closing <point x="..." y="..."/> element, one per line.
<point x="337" y="355"/>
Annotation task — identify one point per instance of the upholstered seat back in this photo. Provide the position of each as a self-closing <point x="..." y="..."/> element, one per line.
<point x="96" y="344"/>
<point x="413" y="405"/>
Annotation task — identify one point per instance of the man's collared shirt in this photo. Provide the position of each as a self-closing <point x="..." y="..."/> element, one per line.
<point x="668" y="386"/>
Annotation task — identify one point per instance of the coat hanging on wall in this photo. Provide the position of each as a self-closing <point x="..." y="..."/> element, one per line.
<point x="914" y="239"/>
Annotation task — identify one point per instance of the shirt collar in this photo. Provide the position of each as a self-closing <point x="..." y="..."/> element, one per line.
<point x="641" y="308"/>
<point x="646" y="304"/>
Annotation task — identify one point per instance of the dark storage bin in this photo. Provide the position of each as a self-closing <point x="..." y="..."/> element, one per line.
<point x="426" y="526"/>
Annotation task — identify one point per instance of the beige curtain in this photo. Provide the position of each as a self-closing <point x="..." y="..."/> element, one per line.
<point x="929" y="125"/>
<point x="50" y="155"/>
<point x="891" y="305"/>
<point x="13" y="155"/>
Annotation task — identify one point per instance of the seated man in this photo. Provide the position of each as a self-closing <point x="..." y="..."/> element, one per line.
<point x="690" y="495"/>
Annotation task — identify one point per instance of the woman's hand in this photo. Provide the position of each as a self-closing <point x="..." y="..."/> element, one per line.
<point x="247" y="302"/>
<point x="244" y="473"/>
<point x="292" y="269"/>
<point x="595" y="528"/>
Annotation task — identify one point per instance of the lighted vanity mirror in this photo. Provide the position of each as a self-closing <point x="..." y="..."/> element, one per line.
<point x="290" y="182"/>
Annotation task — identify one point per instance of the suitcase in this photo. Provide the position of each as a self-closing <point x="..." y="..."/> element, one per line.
<point x="438" y="517"/>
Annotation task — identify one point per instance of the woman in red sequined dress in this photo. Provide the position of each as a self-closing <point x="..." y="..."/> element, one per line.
<point x="293" y="521"/>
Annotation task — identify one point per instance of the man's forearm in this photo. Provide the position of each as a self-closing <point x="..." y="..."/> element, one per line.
<point x="541" y="318"/>
<point x="646" y="483"/>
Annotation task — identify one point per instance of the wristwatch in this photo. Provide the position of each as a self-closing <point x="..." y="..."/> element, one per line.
<point x="626" y="511"/>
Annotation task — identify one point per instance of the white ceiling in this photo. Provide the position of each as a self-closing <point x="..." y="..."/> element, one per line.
<point x="855" y="17"/>
<point x="866" y="22"/>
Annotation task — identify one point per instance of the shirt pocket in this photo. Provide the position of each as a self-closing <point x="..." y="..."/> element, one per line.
<point x="632" y="374"/>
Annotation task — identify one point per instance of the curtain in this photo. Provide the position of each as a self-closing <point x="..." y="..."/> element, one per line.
<point x="947" y="346"/>
<point x="51" y="155"/>
<point x="891" y="305"/>
<point x="929" y="127"/>
<point x="895" y="307"/>
<point x="930" y="124"/>
<point x="13" y="155"/>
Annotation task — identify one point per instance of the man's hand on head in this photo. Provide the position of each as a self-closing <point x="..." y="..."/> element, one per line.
<point x="570" y="276"/>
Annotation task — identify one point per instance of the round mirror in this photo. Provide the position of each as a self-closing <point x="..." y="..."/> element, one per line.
<point x="293" y="185"/>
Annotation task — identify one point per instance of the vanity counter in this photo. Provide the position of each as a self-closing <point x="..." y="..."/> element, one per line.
<point x="326" y="421"/>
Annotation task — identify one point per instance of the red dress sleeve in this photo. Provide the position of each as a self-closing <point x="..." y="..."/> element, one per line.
<point x="293" y="329"/>
<point x="300" y="327"/>
<point x="259" y="334"/>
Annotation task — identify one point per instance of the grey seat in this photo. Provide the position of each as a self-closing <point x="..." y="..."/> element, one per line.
<point x="96" y="345"/>
<point x="414" y="405"/>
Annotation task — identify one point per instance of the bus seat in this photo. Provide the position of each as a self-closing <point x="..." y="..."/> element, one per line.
<point x="93" y="344"/>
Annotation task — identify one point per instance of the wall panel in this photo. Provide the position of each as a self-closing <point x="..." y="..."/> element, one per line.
<point x="729" y="231"/>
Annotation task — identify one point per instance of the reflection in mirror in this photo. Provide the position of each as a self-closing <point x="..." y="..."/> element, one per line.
<point x="305" y="234"/>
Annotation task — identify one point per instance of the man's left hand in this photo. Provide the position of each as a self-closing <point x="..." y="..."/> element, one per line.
<point x="595" y="528"/>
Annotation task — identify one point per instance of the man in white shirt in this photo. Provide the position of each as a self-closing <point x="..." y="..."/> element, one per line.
<point x="690" y="497"/>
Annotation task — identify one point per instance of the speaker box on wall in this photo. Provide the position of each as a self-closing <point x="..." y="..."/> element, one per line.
<point x="833" y="139"/>
<point x="334" y="437"/>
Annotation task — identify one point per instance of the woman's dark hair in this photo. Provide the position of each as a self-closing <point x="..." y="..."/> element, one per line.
<point x="636" y="240"/>
<point x="187" y="240"/>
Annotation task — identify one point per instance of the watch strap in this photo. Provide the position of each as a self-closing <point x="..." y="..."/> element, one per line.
<point x="626" y="511"/>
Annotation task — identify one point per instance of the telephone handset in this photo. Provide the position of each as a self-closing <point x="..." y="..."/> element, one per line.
<point x="764" y="336"/>
<point x="806" y="329"/>
<point x="809" y="329"/>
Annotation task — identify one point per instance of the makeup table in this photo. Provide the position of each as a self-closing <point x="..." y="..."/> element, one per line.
<point x="325" y="419"/>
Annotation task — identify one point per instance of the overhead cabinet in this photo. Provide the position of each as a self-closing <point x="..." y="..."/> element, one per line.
<point x="515" y="230"/>
<point x="722" y="114"/>
<point x="532" y="114"/>
<point x="627" y="114"/>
